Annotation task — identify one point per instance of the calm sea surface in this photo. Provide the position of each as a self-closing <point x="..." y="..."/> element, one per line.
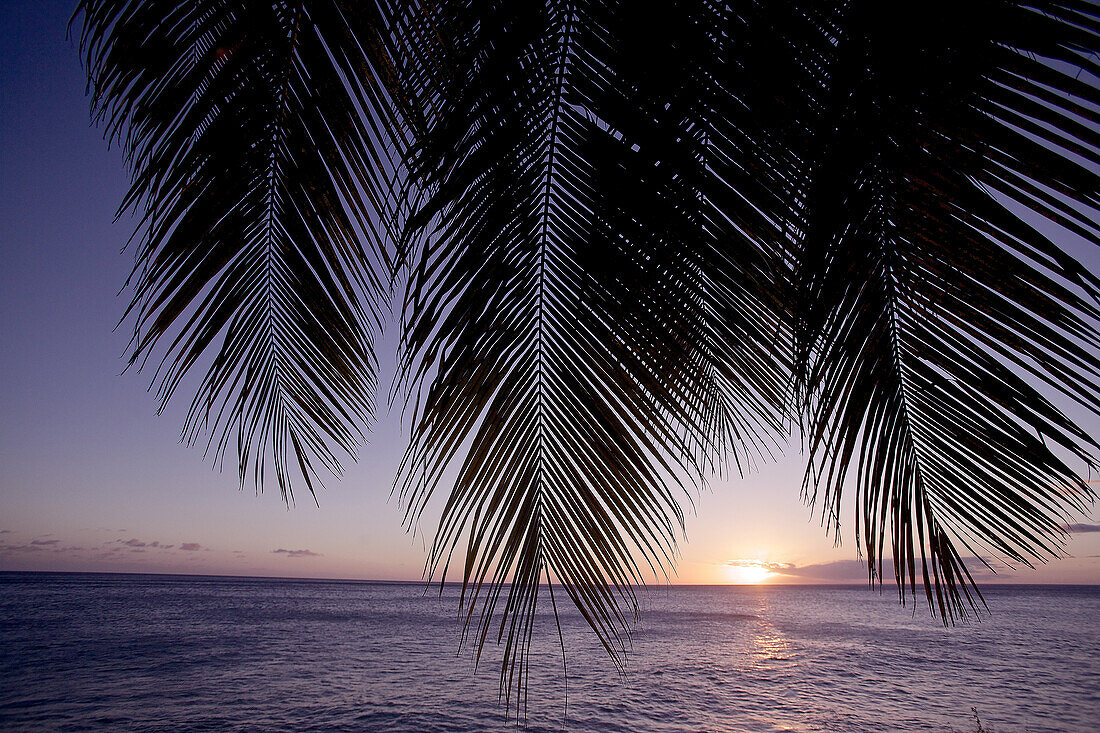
<point x="139" y="652"/>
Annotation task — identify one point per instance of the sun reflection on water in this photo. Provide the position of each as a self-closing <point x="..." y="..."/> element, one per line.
<point x="769" y="645"/>
<point x="770" y="648"/>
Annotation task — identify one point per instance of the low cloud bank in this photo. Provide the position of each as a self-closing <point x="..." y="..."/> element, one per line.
<point x="1082" y="528"/>
<point x="296" y="553"/>
<point x="850" y="571"/>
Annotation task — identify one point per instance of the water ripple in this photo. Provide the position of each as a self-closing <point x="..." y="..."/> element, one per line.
<point x="107" y="653"/>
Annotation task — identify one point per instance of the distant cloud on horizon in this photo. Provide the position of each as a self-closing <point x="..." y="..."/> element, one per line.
<point x="846" y="571"/>
<point x="1082" y="528"/>
<point x="38" y="546"/>
<point x="296" y="553"/>
<point x="156" y="544"/>
<point x="838" y="571"/>
<point x="6" y="548"/>
<point x="119" y="549"/>
<point x="776" y="567"/>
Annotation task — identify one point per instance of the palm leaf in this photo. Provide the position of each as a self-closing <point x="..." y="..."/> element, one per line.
<point x="935" y="326"/>
<point x="597" y="332"/>
<point x="261" y="137"/>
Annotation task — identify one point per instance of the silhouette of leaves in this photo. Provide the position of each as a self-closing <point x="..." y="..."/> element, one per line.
<point x="934" y="325"/>
<point x="261" y="141"/>
<point x="636" y="248"/>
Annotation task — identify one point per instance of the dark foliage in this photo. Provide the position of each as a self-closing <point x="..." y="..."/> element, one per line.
<point x="636" y="246"/>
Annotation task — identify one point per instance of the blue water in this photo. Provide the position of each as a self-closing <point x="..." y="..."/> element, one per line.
<point x="117" y="652"/>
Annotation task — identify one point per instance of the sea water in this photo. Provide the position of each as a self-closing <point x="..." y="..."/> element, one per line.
<point x="143" y="652"/>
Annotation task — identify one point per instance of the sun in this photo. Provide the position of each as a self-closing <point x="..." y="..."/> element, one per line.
<point x="747" y="574"/>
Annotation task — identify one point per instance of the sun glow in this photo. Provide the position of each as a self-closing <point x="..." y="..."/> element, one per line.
<point x="747" y="574"/>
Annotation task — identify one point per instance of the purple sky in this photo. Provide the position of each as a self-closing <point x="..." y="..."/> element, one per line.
<point x="91" y="479"/>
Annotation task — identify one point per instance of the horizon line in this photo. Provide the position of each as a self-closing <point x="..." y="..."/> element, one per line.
<point x="427" y="583"/>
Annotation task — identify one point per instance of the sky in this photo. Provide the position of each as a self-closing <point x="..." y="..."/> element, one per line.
<point x="92" y="480"/>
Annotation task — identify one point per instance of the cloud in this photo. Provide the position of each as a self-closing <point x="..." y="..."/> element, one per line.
<point x="296" y="553"/>
<point x="5" y="531"/>
<point x="837" y="572"/>
<point x="155" y="544"/>
<point x="53" y="546"/>
<point x="1082" y="528"/>
<point x="775" y="567"/>
<point x="846" y="571"/>
<point x="190" y="547"/>
<point x="21" y="548"/>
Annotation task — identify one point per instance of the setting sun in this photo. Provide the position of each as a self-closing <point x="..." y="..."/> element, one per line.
<point x="747" y="574"/>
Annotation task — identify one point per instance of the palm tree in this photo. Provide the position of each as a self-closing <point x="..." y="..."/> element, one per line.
<point x="633" y="246"/>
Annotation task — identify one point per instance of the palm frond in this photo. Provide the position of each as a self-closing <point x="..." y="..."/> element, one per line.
<point x="597" y="331"/>
<point x="935" y="325"/>
<point x="261" y="138"/>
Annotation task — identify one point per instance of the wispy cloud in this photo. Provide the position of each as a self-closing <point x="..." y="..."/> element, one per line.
<point x="840" y="571"/>
<point x="847" y="571"/>
<point x="5" y="548"/>
<point x="775" y="567"/>
<point x="1082" y="528"/>
<point x="190" y="547"/>
<point x="53" y="546"/>
<point x="135" y="543"/>
<point x="296" y="553"/>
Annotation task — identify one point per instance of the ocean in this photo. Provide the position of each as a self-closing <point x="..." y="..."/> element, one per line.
<point x="173" y="653"/>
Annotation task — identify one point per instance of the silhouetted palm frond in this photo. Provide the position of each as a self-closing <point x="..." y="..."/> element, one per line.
<point x="933" y="324"/>
<point x="598" y="329"/>
<point x="261" y="137"/>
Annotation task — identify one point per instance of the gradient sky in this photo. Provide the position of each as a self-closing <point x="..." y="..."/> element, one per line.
<point x="91" y="479"/>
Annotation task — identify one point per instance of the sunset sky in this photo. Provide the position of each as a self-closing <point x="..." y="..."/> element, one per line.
<point x="91" y="479"/>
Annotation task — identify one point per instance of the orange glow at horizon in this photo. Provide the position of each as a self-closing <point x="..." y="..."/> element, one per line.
<point x="747" y="574"/>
